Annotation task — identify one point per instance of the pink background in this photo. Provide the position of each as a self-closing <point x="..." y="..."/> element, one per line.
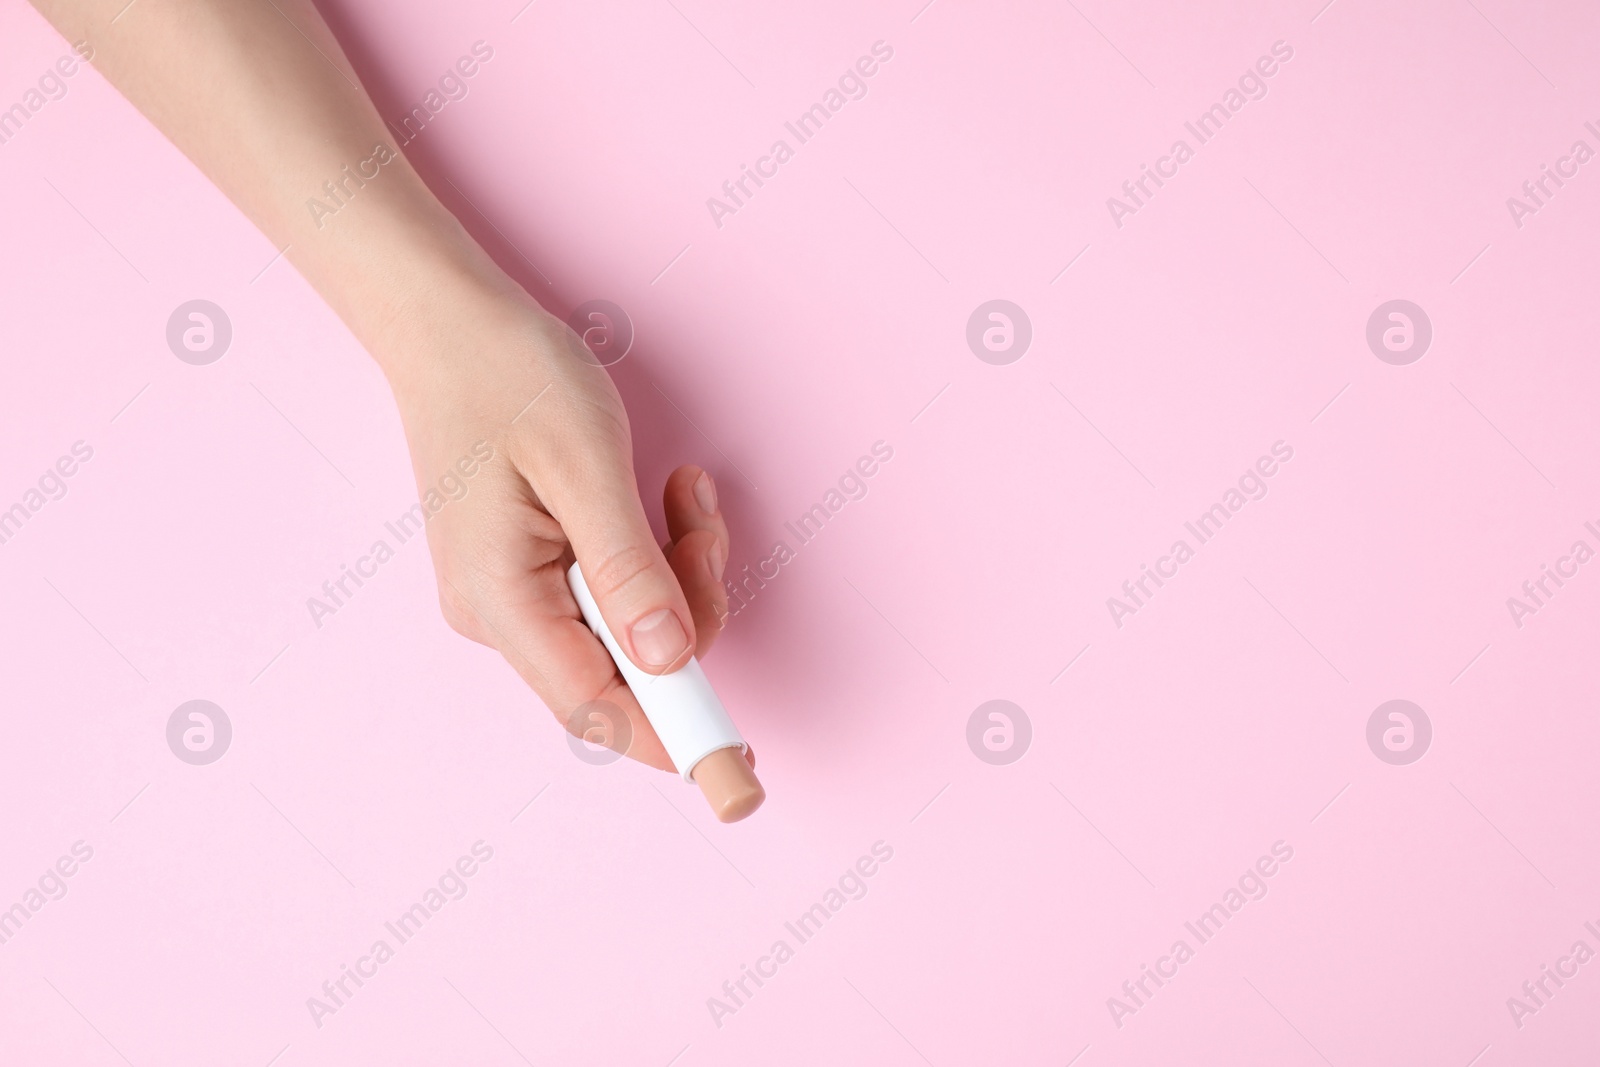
<point x="1227" y="715"/>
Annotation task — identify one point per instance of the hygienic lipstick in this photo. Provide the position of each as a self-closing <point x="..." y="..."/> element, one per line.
<point x="694" y="727"/>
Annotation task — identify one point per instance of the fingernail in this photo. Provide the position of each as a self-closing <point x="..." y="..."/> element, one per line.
<point x="658" y="638"/>
<point x="718" y="559"/>
<point x="705" y="494"/>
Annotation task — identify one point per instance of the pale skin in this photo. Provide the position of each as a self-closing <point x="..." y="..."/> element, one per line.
<point x="260" y="96"/>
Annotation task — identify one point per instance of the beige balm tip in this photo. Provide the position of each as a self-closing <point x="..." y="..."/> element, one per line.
<point x="729" y="783"/>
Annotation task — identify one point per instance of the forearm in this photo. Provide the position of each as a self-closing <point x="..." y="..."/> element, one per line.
<point x="260" y="96"/>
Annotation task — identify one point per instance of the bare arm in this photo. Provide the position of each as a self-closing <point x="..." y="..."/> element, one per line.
<point x="261" y="97"/>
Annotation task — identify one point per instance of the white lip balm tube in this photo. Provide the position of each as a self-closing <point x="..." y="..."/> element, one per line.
<point x="686" y="714"/>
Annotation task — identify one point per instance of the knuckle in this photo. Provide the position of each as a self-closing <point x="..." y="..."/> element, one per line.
<point x="459" y="613"/>
<point x="624" y="569"/>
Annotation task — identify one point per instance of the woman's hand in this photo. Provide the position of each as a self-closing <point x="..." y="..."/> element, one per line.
<point x="262" y="98"/>
<point x="505" y="379"/>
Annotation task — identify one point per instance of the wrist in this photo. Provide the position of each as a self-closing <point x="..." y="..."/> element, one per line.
<point x="411" y="283"/>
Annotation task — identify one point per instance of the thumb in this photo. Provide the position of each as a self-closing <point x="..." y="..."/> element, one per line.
<point x="636" y="589"/>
